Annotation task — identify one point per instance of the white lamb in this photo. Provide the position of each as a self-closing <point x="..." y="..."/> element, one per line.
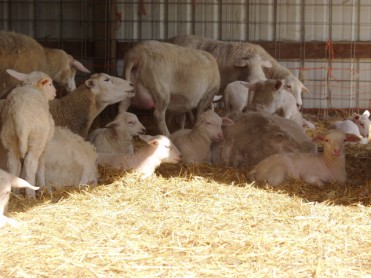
<point x="236" y="94"/>
<point x="159" y="149"/>
<point x="359" y="125"/>
<point x="7" y="181"/>
<point x="70" y="161"/>
<point x="27" y="124"/>
<point x="312" y="168"/>
<point x="117" y="136"/>
<point x="194" y="144"/>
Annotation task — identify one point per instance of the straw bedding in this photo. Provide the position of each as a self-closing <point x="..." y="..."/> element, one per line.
<point x="195" y="221"/>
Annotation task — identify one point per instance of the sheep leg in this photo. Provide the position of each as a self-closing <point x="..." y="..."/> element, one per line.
<point x="14" y="167"/>
<point x="41" y="173"/>
<point x="161" y="123"/>
<point x="31" y="164"/>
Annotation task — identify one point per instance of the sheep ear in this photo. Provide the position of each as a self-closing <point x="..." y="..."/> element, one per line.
<point x="277" y="85"/>
<point x="76" y="64"/>
<point x="146" y="138"/>
<point x="153" y="142"/>
<point x="267" y="64"/>
<point x="227" y="121"/>
<point x="241" y="63"/>
<point x="217" y="98"/>
<point x="17" y="75"/>
<point x="366" y="113"/>
<point x="90" y="83"/>
<point x="355" y="116"/>
<point x="352" y="137"/>
<point x="305" y="90"/>
<point x="113" y="124"/>
<point x="43" y="81"/>
<point x="246" y="84"/>
<point x="319" y="138"/>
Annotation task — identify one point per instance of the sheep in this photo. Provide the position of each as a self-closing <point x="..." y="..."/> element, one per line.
<point x="171" y="78"/>
<point x="69" y="160"/>
<point x="194" y="144"/>
<point x="312" y="168"/>
<point x="271" y="96"/>
<point x="24" y="54"/>
<point x="27" y="124"/>
<point x="256" y="135"/>
<point x="7" y="181"/>
<point x="78" y="109"/>
<point x="159" y="150"/>
<point x="231" y="56"/>
<point x="118" y="135"/>
<point x="358" y="125"/>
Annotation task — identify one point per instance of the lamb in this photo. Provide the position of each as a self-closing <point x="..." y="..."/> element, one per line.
<point x="231" y="56"/>
<point x="159" y="150"/>
<point x="78" y="109"/>
<point x="117" y="136"/>
<point x="27" y="124"/>
<point x="194" y="144"/>
<point x="6" y="182"/>
<point x="311" y="168"/>
<point x="70" y="161"/>
<point x="171" y="78"/>
<point x="271" y="96"/>
<point x="359" y="125"/>
<point x="256" y="135"/>
<point x="24" y="54"/>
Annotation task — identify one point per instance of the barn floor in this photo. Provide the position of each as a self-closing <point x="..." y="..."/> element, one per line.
<point x="195" y="221"/>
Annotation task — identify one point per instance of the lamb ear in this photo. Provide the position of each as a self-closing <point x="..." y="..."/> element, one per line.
<point x="352" y="137"/>
<point x="366" y="113"/>
<point x="277" y="85"/>
<point x="17" y="75"/>
<point x="305" y="90"/>
<point x="319" y="138"/>
<point x="90" y="83"/>
<point x="227" y="121"/>
<point x="113" y="124"/>
<point x="241" y="63"/>
<point x="355" y="116"/>
<point x="146" y="138"/>
<point x="76" y="64"/>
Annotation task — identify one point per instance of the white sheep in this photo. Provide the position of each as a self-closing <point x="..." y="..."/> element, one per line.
<point x="117" y="136"/>
<point x="194" y="144"/>
<point x="7" y="181"/>
<point x="236" y="94"/>
<point x="78" y="109"/>
<point x="144" y="161"/>
<point x="69" y="160"/>
<point x="27" y="124"/>
<point x="358" y="125"/>
<point x="24" y="54"/>
<point x="312" y="168"/>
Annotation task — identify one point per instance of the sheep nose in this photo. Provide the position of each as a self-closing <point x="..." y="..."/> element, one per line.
<point x="131" y="84"/>
<point x="298" y="106"/>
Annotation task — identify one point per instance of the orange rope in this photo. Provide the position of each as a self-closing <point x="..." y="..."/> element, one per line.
<point x="330" y="50"/>
<point x="142" y="8"/>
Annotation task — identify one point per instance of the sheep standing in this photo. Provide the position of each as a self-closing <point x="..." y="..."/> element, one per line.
<point x="159" y="150"/>
<point x="194" y="144"/>
<point x="171" y="78"/>
<point x="78" y="109"/>
<point x="117" y="136"/>
<point x="24" y="54"/>
<point x="237" y="96"/>
<point x="312" y="168"/>
<point x="28" y="125"/>
<point x="69" y="161"/>
<point x="230" y="57"/>
<point x="7" y="181"/>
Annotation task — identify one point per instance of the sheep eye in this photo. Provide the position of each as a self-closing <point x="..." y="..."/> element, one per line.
<point x="326" y="140"/>
<point x="362" y="125"/>
<point x="107" y="79"/>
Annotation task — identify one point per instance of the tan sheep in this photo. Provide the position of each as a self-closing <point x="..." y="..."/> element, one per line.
<point x="312" y="168"/>
<point x="24" y="54"/>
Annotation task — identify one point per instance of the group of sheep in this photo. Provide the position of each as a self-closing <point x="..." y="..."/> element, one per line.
<point x="47" y="141"/>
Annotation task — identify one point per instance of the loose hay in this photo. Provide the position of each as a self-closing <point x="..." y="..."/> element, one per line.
<point x="195" y="221"/>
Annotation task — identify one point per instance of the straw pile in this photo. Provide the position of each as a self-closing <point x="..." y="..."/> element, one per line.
<point x="195" y="221"/>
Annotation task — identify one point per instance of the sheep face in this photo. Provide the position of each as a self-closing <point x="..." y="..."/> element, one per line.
<point x="129" y="123"/>
<point x="296" y="87"/>
<point x="165" y="149"/>
<point x="47" y="88"/>
<point x="363" y="123"/>
<point x="109" y="89"/>
<point x="268" y="96"/>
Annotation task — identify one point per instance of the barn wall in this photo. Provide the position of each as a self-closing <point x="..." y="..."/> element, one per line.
<point x="297" y="32"/>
